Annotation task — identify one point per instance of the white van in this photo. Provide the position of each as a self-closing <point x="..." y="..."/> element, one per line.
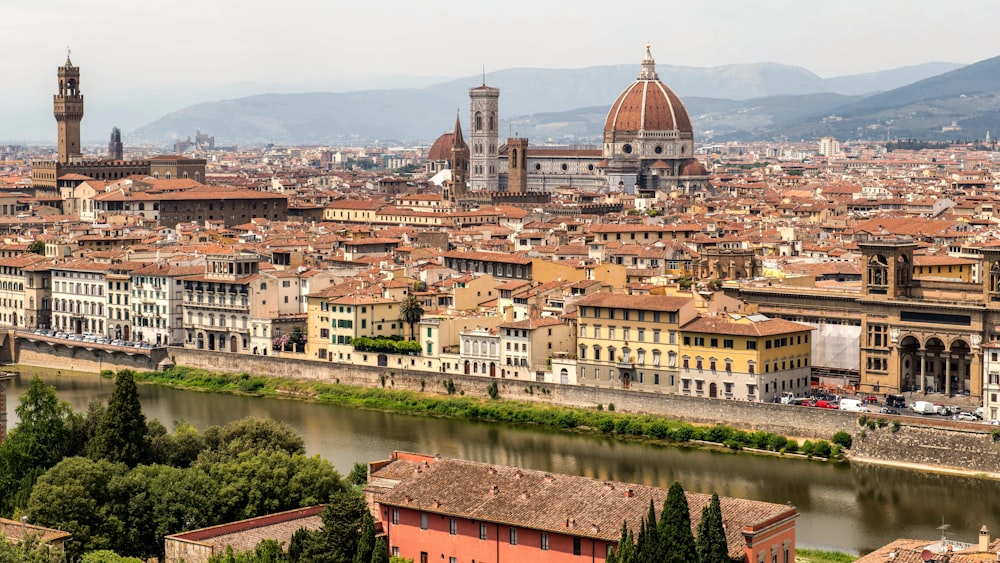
<point x="924" y="407"/>
<point x="853" y="405"/>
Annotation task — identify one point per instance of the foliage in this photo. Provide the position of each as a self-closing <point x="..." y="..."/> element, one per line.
<point x="267" y="551"/>
<point x="381" y="552"/>
<point x="493" y="390"/>
<point x="358" y="475"/>
<point x="121" y="434"/>
<point x="843" y="439"/>
<point x="366" y="544"/>
<point x="675" y="527"/>
<point x="411" y="310"/>
<point x="107" y="556"/>
<point x="251" y="434"/>
<point x="685" y="282"/>
<point x="30" y="551"/>
<point x="449" y="386"/>
<point x="37" y="247"/>
<point x="822" y="556"/>
<point x="337" y="540"/>
<point x="36" y="444"/>
<point x="711" y="543"/>
<point x="895" y="425"/>
<point x="715" y="284"/>
<point x="384" y="345"/>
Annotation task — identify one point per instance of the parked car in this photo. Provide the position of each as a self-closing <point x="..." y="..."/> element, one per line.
<point x="808" y="403"/>
<point x="924" y="407"/>
<point x="871" y="399"/>
<point x="888" y="410"/>
<point x="968" y="417"/>
<point x="823" y="404"/>
<point x="895" y="401"/>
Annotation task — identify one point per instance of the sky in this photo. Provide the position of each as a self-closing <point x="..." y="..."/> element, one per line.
<point x="187" y="51"/>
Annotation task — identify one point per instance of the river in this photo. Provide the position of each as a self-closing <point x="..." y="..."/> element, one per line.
<point x="852" y="508"/>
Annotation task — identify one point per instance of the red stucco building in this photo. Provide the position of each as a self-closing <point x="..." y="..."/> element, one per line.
<point x="450" y="511"/>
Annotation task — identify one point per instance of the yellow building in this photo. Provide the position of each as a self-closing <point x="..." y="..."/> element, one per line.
<point x="943" y="267"/>
<point x="752" y="358"/>
<point x="630" y="341"/>
<point x="355" y="316"/>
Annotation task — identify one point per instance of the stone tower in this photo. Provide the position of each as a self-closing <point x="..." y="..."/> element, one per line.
<point x="459" y="165"/>
<point x="517" y="168"/>
<point x="68" y="110"/>
<point x="484" y="138"/>
<point x="115" y="150"/>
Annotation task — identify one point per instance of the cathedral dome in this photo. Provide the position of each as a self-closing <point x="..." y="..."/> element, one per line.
<point x="647" y="105"/>
<point x="693" y="167"/>
<point x="441" y="149"/>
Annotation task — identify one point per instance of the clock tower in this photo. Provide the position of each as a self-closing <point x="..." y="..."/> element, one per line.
<point x="68" y="110"/>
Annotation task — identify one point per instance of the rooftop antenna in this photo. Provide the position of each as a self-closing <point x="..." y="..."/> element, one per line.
<point x="943" y="527"/>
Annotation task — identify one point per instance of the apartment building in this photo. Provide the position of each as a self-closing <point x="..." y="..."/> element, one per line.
<point x="79" y="299"/>
<point x="747" y="357"/>
<point x="216" y="303"/>
<point x="528" y="346"/>
<point x="14" y="308"/>
<point x="158" y="295"/>
<point x="630" y="341"/>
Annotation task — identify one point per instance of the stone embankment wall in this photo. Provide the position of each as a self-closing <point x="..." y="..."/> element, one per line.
<point x="781" y="419"/>
<point x="78" y="357"/>
<point x="931" y="442"/>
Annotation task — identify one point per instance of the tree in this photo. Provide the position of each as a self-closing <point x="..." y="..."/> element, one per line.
<point x="675" y="527"/>
<point x="650" y="543"/>
<point x="74" y="496"/>
<point x="712" y="546"/>
<point x="358" y="475"/>
<point x="337" y="540"/>
<point x="267" y="551"/>
<point x="381" y="552"/>
<point x="252" y="434"/>
<point x="36" y="444"/>
<point x="366" y="544"/>
<point x="107" y="556"/>
<point x="37" y="247"/>
<point x="411" y="311"/>
<point x="121" y="434"/>
<point x="30" y="551"/>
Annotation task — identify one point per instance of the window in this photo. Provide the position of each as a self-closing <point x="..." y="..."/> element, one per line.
<point x="482" y="530"/>
<point x="423" y="521"/>
<point x="656" y="335"/>
<point x="453" y="527"/>
<point x="513" y="536"/>
<point x="576" y="546"/>
<point x="727" y="343"/>
<point x="715" y="343"/>
<point x="395" y="516"/>
<point x="699" y="340"/>
<point x="751" y="344"/>
<point x="545" y="542"/>
<point x="642" y="334"/>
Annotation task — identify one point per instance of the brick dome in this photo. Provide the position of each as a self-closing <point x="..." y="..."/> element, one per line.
<point x="648" y="105"/>
<point x="441" y="149"/>
<point x="693" y="167"/>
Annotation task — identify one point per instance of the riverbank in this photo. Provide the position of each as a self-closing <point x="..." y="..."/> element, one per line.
<point x="448" y="403"/>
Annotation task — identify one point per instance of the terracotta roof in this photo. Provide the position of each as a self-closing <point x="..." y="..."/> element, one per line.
<point x="489" y="257"/>
<point x="726" y="325"/>
<point x="638" y="302"/>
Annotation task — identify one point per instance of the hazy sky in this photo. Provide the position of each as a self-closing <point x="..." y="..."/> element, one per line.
<point x="127" y="46"/>
<point x="183" y="41"/>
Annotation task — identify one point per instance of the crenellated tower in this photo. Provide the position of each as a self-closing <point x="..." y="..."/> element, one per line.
<point x="68" y="110"/>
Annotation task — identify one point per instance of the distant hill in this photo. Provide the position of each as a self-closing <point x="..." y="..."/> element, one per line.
<point x="749" y="100"/>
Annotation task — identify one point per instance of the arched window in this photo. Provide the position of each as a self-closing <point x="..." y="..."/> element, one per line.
<point x="478" y="121"/>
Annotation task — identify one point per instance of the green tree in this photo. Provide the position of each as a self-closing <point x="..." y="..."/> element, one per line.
<point x="675" y="527"/>
<point x="258" y="483"/>
<point x="34" y="445"/>
<point x="179" y="449"/>
<point x="252" y="434"/>
<point x="30" y="551"/>
<point x="267" y="551"/>
<point x="366" y="544"/>
<point x="358" y="475"/>
<point x="37" y="247"/>
<point x="381" y="552"/>
<point x="650" y="544"/>
<point x="121" y="435"/>
<point x="337" y="540"/>
<point x="411" y="310"/>
<point x="75" y="496"/>
<point x="626" y="551"/>
<point x="711" y="543"/>
<point x="107" y="556"/>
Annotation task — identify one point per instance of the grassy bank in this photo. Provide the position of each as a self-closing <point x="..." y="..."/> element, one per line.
<point x="602" y="420"/>
<point x="822" y="556"/>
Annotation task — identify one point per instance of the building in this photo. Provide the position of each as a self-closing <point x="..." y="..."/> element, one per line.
<point x="198" y="546"/>
<point x="528" y="346"/>
<point x="748" y="357"/>
<point x="68" y="111"/>
<point x="78" y="297"/>
<point x="936" y="551"/>
<point x="14" y="310"/>
<point x="157" y="304"/>
<point x="115" y="149"/>
<point x="829" y="147"/>
<point x="216" y="304"/>
<point x="499" y="265"/>
<point x="484" y="160"/>
<point x="16" y="531"/>
<point x="631" y="341"/>
<point x="441" y="509"/>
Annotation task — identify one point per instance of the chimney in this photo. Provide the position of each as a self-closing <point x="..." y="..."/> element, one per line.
<point x="984" y="538"/>
<point x="494" y="490"/>
<point x="628" y="493"/>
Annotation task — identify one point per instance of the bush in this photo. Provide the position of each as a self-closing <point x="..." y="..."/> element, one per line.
<point x="843" y="439"/>
<point x="777" y="443"/>
<point x="449" y="386"/>
<point x="822" y="448"/>
<point x="734" y="445"/>
<point x="611" y="407"/>
<point x="606" y="424"/>
<point x="895" y="426"/>
<point x="862" y="420"/>
<point x="791" y="446"/>
<point x="493" y="391"/>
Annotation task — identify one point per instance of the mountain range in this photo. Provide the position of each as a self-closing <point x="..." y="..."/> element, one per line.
<point x="750" y="101"/>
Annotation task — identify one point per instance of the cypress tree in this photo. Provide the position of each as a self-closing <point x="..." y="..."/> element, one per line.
<point x="626" y="548"/>
<point x="675" y="528"/>
<point x="366" y="545"/>
<point x="381" y="552"/>
<point x="121" y="434"/>
<point x="649" y="547"/>
<point x="712" y="545"/>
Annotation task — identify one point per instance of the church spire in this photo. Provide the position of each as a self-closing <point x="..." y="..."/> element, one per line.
<point x="456" y="138"/>
<point x="648" y="71"/>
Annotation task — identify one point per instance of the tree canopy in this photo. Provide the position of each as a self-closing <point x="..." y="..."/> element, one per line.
<point x="121" y="434"/>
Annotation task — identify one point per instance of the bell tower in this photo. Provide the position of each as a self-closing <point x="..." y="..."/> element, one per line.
<point x="67" y="106"/>
<point x="484" y="137"/>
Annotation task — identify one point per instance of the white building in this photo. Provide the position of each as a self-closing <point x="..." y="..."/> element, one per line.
<point x="480" y="352"/>
<point x="79" y="299"/>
